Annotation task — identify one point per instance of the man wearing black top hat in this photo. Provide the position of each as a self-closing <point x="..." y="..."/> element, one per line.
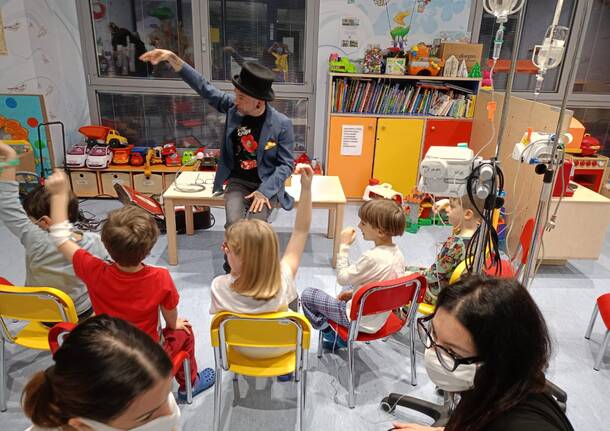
<point x="256" y="155"/>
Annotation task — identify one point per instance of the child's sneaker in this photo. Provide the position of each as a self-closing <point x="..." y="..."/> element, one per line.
<point x="205" y="380"/>
<point x="331" y="341"/>
<point x="285" y="377"/>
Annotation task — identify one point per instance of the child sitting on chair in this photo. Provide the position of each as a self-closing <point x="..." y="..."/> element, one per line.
<point x="128" y="288"/>
<point x="30" y="223"/>
<point x="259" y="281"/>
<point x="380" y="220"/>
<point x="464" y="218"/>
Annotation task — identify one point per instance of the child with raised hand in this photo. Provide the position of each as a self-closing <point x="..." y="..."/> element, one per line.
<point x="30" y="223"/>
<point x="127" y="288"/>
<point x="380" y="221"/>
<point x="260" y="281"/>
<point x="465" y="219"/>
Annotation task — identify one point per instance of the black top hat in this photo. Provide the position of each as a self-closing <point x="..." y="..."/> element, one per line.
<point x="255" y="80"/>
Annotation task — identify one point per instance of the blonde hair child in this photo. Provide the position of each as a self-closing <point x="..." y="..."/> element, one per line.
<point x="260" y="281"/>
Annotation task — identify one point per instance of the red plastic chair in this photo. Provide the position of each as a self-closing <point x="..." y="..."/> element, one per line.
<point x="376" y="298"/>
<point x="60" y="331"/>
<point x="603" y="306"/>
<point x="523" y="249"/>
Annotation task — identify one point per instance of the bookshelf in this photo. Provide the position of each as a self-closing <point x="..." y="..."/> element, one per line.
<point x="392" y="121"/>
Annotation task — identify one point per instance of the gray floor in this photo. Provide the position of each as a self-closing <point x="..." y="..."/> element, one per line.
<point x="565" y="295"/>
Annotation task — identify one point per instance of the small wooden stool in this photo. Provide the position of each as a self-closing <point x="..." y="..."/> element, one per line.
<point x="603" y="306"/>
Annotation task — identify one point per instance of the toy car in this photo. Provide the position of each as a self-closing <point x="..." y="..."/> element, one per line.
<point x="121" y="155"/>
<point x="137" y="159"/>
<point x="76" y="157"/>
<point x="100" y="157"/>
<point x="172" y="159"/>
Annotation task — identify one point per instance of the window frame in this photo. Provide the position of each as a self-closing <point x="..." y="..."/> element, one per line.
<point x="555" y="98"/>
<point x="202" y="62"/>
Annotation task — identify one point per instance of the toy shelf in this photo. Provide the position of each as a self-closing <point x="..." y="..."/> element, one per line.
<point x="411" y="77"/>
<point x="130" y="168"/>
<point x="381" y="126"/>
<point x="421" y="117"/>
<point x="99" y="183"/>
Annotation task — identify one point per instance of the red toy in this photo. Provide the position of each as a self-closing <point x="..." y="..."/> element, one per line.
<point x="589" y="146"/>
<point x="137" y="159"/>
<point x="172" y="159"/>
<point x="120" y="156"/>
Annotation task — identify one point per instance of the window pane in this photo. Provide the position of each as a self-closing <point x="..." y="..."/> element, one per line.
<point x="538" y="17"/>
<point x="592" y="75"/>
<point x="124" y="30"/>
<point x="186" y="121"/>
<point x="597" y="124"/>
<point x="296" y="110"/>
<point x="271" y="32"/>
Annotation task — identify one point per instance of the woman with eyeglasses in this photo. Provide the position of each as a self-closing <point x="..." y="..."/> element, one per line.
<point x="489" y="342"/>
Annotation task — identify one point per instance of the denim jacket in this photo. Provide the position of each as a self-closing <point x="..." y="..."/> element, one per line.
<point x="274" y="155"/>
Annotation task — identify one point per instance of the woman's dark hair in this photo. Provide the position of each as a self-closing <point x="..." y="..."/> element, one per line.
<point x="512" y="342"/>
<point x="102" y="365"/>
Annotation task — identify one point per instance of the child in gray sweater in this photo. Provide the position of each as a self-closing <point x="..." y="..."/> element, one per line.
<point x="45" y="266"/>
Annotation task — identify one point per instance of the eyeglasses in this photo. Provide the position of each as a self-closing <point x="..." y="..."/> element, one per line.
<point x="447" y="358"/>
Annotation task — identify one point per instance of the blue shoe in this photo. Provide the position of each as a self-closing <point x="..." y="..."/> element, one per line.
<point x="205" y="380"/>
<point x="285" y="377"/>
<point x="331" y="341"/>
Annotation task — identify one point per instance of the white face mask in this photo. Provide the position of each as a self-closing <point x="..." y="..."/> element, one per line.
<point x="163" y="423"/>
<point x="459" y="380"/>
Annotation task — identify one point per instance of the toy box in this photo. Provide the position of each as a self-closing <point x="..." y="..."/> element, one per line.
<point x="470" y="52"/>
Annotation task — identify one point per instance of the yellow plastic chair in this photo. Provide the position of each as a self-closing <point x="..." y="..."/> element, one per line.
<point x="231" y="331"/>
<point x="36" y="305"/>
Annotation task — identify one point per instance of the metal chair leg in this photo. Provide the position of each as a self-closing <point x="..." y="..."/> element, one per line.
<point x="217" y="398"/>
<point x="602" y="350"/>
<point x="187" y="381"/>
<point x="3" y="380"/>
<point x="350" y="357"/>
<point x="299" y="423"/>
<point x="412" y="353"/>
<point x="236" y="395"/>
<point x="592" y="322"/>
<point x="320" y="337"/>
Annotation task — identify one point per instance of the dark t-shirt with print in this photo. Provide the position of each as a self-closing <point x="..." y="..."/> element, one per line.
<point x="245" y="142"/>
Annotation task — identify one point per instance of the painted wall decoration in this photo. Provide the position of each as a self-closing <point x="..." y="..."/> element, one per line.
<point x="20" y="115"/>
<point x="401" y="23"/>
<point x="45" y="58"/>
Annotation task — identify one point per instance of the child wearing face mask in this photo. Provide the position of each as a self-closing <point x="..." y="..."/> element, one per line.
<point x="30" y="223"/>
<point x="82" y="390"/>
<point x="465" y="220"/>
<point x="380" y="220"/>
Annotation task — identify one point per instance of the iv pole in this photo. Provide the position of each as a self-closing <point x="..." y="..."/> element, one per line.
<point x="549" y="171"/>
<point x="480" y="251"/>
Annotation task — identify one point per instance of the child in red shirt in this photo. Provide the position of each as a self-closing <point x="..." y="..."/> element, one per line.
<point x="128" y="288"/>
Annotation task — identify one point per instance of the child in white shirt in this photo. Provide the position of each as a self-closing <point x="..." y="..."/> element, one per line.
<point x="259" y="281"/>
<point x="380" y="220"/>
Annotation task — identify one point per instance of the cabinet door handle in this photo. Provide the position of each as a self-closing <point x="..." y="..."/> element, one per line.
<point x="382" y="127"/>
<point x="433" y="128"/>
<point x="370" y="127"/>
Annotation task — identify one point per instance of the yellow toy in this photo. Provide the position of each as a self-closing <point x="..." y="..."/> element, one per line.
<point x="420" y="62"/>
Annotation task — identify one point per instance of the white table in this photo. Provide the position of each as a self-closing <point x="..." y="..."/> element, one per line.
<point x="326" y="193"/>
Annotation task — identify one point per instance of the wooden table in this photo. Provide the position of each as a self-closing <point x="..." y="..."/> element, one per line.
<point x="582" y="223"/>
<point x="327" y="193"/>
